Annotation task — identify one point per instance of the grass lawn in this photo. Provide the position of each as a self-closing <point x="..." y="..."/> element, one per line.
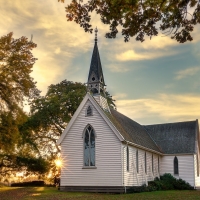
<point x="34" y="193"/>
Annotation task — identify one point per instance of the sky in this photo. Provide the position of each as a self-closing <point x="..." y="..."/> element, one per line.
<point x="153" y="82"/>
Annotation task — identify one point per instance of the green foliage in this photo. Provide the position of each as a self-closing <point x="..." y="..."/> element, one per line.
<point x="139" y="18"/>
<point x="168" y="182"/>
<point x="16" y="62"/>
<point x="28" y="184"/>
<point x="17" y="149"/>
<point x="16" y="84"/>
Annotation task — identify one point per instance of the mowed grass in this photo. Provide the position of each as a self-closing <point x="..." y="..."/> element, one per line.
<point x="47" y="193"/>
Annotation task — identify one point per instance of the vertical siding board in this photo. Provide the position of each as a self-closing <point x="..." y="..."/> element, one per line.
<point x="107" y="154"/>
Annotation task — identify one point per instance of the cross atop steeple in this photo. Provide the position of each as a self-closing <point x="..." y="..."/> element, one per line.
<point x="95" y="83"/>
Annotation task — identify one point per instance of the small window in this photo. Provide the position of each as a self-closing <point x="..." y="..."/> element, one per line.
<point x="197" y="164"/>
<point x="89" y="111"/>
<point x="152" y="164"/>
<point x="137" y="161"/>
<point x="158" y="164"/>
<point x="145" y="163"/>
<point x="127" y="158"/>
<point x="175" y="165"/>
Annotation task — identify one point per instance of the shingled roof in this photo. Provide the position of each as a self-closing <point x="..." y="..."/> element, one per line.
<point x="174" y="138"/>
<point x="131" y="130"/>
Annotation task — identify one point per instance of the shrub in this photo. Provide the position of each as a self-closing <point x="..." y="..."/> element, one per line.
<point x="26" y="184"/>
<point x="168" y="182"/>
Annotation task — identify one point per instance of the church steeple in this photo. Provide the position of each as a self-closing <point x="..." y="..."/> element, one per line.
<point x="95" y="83"/>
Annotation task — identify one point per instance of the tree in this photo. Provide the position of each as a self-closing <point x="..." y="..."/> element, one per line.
<point x="16" y="62"/>
<point x="17" y="150"/>
<point x="139" y="17"/>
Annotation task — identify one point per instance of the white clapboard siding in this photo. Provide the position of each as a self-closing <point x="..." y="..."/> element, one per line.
<point x="107" y="153"/>
<point x="185" y="164"/>
<point x="197" y="176"/>
<point x="131" y="177"/>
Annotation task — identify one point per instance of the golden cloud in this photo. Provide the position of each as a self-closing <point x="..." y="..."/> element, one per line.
<point x="164" y="107"/>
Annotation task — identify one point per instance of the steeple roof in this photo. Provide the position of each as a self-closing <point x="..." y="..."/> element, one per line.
<point x="95" y="66"/>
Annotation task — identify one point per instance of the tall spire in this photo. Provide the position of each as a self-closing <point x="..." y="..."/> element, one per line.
<point x="96" y="82"/>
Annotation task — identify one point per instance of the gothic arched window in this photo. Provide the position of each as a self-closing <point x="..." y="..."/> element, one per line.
<point x="137" y="161"/>
<point x="89" y="111"/>
<point x="89" y="146"/>
<point x="127" y="158"/>
<point x="175" y="165"/>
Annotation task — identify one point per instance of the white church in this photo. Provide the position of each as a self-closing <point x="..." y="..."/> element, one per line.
<point x="103" y="150"/>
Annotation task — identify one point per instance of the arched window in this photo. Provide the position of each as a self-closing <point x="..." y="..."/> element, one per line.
<point x="137" y="161"/>
<point x="89" y="147"/>
<point x="197" y="164"/>
<point x="175" y="165"/>
<point x="89" y="111"/>
<point x="145" y="162"/>
<point x="152" y="164"/>
<point x="127" y="158"/>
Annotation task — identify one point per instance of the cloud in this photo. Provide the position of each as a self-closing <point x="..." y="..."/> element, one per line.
<point x="116" y="67"/>
<point x="186" y="72"/>
<point x="120" y="96"/>
<point x="148" y="55"/>
<point x="162" y="108"/>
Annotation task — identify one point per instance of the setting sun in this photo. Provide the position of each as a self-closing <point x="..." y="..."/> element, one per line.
<point x="58" y="162"/>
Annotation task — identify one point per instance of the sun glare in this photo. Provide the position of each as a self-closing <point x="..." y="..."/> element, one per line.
<point x="58" y="162"/>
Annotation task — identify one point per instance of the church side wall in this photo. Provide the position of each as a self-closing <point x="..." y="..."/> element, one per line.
<point x="197" y="175"/>
<point x="131" y="177"/>
<point x="185" y="165"/>
<point x="108" y="170"/>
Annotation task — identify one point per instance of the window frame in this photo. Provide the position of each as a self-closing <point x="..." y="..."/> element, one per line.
<point x="127" y="159"/>
<point x="86" y="112"/>
<point x="83" y="136"/>
<point x="152" y="164"/>
<point x="145" y="162"/>
<point x="176" y="166"/>
<point x="137" y="161"/>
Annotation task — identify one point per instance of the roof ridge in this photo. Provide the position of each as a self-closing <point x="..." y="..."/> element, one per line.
<point x="170" y="123"/>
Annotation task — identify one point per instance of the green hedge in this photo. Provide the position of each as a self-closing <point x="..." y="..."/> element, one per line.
<point x="166" y="182"/>
<point x="28" y="184"/>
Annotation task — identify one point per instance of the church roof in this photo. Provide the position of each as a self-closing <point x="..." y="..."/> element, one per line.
<point x="131" y="130"/>
<point x="95" y="65"/>
<point x="174" y="138"/>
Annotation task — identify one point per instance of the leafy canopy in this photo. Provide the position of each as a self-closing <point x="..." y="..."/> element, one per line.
<point x="139" y="18"/>
<point x="17" y="149"/>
